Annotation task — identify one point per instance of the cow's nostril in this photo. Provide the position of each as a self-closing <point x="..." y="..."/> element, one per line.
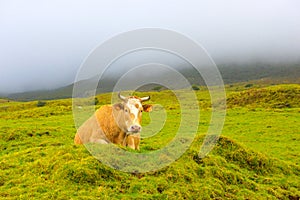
<point x="135" y="128"/>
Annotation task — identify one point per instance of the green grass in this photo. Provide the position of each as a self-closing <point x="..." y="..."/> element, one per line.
<point x="257" y="156"/>
<point x="281" y="96"/>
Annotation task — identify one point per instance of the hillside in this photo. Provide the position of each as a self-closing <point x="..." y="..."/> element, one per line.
<point x="258" y="73"/>
<point x="257" y="156"/>
<point x="281" y="96"/>
<point x="3" y="100"/>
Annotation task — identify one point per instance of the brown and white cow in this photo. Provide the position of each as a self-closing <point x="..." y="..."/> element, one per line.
<point x="119" y="123"/>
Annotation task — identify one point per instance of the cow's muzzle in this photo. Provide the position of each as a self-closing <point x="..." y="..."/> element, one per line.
<point x="135" y="128"/>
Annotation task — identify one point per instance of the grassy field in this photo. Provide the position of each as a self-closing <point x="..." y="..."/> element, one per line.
<point x="257" y="156"/>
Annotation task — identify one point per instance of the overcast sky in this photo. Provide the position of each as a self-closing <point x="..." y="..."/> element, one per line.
<point x="43" y="44"/>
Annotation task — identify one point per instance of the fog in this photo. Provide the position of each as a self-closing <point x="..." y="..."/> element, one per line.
<point x="43" y="44"/>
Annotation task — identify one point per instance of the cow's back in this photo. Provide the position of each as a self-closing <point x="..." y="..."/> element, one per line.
<point x="108" y="125"/>
<point x="89" y="131"/>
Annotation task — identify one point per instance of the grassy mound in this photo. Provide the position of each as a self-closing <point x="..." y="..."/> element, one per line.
<point x="66" y="171"/>
<point x="280" y="96"/>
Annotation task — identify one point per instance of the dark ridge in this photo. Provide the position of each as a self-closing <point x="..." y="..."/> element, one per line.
<point x="271" y="74"/>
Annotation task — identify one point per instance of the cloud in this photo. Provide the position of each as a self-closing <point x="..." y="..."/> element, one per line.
<point x="43" y="44"/>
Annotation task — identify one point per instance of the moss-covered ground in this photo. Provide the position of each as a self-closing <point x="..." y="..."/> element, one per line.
<point x="257" y="156"/>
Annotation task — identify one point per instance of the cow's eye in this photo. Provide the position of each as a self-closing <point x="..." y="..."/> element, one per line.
<point x="141" y="110"/>
<point x="126" y="110"/>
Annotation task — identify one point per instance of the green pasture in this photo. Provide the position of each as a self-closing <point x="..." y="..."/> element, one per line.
<point x="256" y="157"/>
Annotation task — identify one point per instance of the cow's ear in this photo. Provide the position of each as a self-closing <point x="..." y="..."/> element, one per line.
<point x="118" y="106"/>
<point x="147" y="108"/>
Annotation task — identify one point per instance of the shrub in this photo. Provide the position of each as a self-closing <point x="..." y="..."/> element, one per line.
<point x="195" y="87"/>
<point x="157" y="88"/>
<point x="40" y="104"/>
<point x="96" y="101"/>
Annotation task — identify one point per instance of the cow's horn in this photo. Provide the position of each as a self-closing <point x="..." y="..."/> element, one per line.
<point x="145" y="98"/>
<point x="121" y="97"/>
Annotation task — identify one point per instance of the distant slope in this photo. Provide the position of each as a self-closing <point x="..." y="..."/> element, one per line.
<point x="281" y="73"/>
<point x="279" y="96"/>
<point x="261" y="73"/>
<point x="3" y="100"/>
<point x="60" y="93"/>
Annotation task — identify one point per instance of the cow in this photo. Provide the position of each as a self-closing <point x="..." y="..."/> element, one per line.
<point x="119" y="123"/>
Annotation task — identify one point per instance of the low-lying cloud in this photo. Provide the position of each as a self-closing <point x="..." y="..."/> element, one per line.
<point x="44" y="44"/>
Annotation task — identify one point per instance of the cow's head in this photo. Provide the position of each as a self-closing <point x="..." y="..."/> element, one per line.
<point x="129" y="112"/>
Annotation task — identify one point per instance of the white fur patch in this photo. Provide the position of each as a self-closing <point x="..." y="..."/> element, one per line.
<point x="133" y="109"/>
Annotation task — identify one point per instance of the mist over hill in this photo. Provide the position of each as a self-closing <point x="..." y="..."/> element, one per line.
<point x="42" y="51"/>
<point x="231" y="73"/>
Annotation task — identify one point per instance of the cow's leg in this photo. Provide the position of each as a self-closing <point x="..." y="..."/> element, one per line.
<point x="133" y="141"/>
<point x="137" y="142"/>
<point x="98" y="141"/>
<point x="130" y="142"/>
<point x="101" y="141"/>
